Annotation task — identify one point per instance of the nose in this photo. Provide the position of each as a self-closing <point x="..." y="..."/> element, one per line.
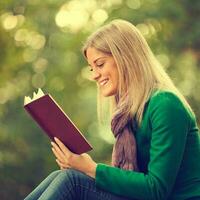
<point x="95" y="75"/>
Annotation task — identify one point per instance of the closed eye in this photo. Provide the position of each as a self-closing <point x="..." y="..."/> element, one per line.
<point x="100" y="65"/>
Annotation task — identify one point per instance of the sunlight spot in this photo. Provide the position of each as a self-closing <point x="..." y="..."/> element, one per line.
<point x="110" y="3"/>
<point x="86" y="73"/>
<point x="116" y="2"/>
<point x="153" y="25"/>
<point x="38" y="80"/>
<point x="35" y="40"/>
<point x="164" y="60"/>
<point x="106" y="134"/>
<point x="57" y="83"/>
<point x="152" y="29"/>
<point x="72" y="15"/>
<point x="89" y="5"/>
<point x="21" y="35"/>
<point x="40" y="65"/>
<point x="99" y="16"/>
<point x="143" y="28"/>
<point x="133" y="4"/>
<point x="9" y="21"/>
<point x="11" y="90"/>
<point x="4" y="96"/>
<point x="20" y="20"/>
<point x="29" y="55"/>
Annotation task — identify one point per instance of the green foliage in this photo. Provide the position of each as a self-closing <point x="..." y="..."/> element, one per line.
<point x="40" y="46"/>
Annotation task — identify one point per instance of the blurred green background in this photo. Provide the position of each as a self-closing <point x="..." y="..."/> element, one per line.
<point x="40" y="43"/>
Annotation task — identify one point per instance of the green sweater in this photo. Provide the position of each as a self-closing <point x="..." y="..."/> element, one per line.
<point x="168" y="149"/>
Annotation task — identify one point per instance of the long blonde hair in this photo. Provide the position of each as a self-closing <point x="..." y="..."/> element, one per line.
<point x="139" y="71"/>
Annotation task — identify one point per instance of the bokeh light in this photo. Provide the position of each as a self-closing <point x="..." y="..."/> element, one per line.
<point x="38" y="80"/>
<point x="72" y="15"/>
<point x="133" y="4"/>
<point x="33" y="39"/>
<point x="40" y="65"/>
<point x="29" y="55"/>
<point x="9" y="21"/>
<point x="164" y="60"/>
<point x="99" y="16"/>
<point x="57" y="84"/>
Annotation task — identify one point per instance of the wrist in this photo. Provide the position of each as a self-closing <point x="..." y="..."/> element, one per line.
<point x="92" y="171"/>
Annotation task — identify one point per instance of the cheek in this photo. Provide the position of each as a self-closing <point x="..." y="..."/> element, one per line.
<point x="116" y="84"/>
<point x="116" y="77"/>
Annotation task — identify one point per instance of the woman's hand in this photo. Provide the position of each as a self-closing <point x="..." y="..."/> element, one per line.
<point x="67" y="159"/>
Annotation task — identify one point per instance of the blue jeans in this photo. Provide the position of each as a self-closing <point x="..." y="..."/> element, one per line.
<point x="70" y="184"/>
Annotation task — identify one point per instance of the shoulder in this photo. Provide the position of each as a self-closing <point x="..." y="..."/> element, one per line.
<point x="168" y="103"/>
<point x="166" y="98"/>
<point x="162" y="96"/>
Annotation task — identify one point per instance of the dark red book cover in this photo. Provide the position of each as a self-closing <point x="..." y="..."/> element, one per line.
<point x="55" y="123"/>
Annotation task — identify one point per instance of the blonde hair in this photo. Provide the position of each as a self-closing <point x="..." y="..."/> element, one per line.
<point x="139" y="71"/>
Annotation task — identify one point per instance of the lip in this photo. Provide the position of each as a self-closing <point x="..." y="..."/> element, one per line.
<point x="102" y="82"/>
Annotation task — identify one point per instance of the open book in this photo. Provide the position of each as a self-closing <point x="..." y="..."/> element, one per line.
<point x="55" y="123"/>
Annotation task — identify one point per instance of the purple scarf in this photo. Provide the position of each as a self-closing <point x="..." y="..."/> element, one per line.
<point x="124" y="153"/>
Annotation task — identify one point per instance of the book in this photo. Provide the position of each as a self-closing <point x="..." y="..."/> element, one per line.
<point x="54" y="122"/>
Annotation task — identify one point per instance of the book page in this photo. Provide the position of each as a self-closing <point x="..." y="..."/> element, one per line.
<point x="27" y="99"/>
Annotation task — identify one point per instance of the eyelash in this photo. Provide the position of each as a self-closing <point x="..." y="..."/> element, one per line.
<point x="101" y="65"/>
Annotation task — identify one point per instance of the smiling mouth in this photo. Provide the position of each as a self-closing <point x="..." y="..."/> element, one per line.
<point x="103" y="82"/>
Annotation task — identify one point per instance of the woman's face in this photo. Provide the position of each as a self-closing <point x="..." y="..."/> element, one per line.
<point x="104" y="71"/>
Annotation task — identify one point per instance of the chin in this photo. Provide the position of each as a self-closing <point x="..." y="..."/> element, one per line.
<point x="108" y="94"/>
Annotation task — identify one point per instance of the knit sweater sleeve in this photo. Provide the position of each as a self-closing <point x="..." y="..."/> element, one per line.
<point x="170" y="123"/>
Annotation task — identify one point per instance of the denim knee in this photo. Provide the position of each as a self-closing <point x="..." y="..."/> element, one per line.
<point x="55" y="172"/>
<point x="74" y="176"/>
<point x="69" y="174"/>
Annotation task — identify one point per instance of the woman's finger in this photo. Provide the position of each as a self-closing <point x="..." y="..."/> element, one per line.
<point x="57" y="154"/>
<point x="62" y="165"/>
<point x="65" y="150"/>
<point x="58" y="151"/>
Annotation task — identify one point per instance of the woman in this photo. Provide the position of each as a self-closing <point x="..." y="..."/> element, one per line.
<point x="157" y="150"/>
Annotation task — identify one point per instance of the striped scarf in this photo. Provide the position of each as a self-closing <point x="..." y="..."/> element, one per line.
<point x="124" y="153"/>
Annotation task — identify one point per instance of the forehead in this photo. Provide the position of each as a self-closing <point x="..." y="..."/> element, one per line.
<point x="93" y="54"/>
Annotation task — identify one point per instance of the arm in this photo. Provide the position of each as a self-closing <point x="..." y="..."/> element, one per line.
<point x="67" y="159"/>
<point x="170" y="123"/>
